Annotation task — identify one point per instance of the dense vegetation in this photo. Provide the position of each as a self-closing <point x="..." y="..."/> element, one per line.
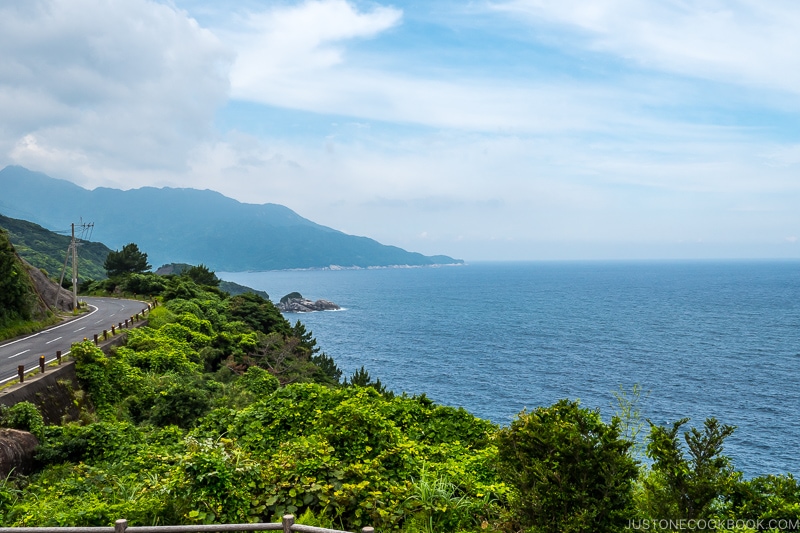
<point x="228" y="286"/>
<point x="17" y="297"/>
<point x="21" y="308"/>
<point x="222" y="411"/>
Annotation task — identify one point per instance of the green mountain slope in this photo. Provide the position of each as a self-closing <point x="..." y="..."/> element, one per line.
<point x="46" y="250"/>
<point x="193" y="226"/>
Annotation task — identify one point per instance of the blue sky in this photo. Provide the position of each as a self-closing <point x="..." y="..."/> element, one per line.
<point x="505" y="129"/>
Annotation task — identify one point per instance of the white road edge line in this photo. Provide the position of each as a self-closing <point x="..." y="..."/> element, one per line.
<point x="51" y="329"/>
<point x="46" y="362"/>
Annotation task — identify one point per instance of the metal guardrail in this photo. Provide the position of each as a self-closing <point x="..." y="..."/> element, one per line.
<point x="121" y="526"/>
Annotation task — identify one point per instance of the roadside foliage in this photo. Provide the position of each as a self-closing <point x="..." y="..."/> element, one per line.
<point x="221" y="411"/>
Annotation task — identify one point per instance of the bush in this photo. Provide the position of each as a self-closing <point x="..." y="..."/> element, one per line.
<point x="24" y="416"/>
<point x="259" y="382"/>
<point x="693" y="487"/>
<point x="572" y="472"/>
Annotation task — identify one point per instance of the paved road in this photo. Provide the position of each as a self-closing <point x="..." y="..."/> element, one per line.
<point x="26" y="351"/>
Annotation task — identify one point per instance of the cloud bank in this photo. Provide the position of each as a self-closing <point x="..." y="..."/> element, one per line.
<point x="501" y="129"/>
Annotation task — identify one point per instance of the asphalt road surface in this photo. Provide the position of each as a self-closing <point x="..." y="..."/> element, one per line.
<point x="26" y="351"/>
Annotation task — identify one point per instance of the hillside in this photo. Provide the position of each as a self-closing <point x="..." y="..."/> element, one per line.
<point x="194" y="226"/>
<point x="45" y="249"/>
<point x="25" y="293"/>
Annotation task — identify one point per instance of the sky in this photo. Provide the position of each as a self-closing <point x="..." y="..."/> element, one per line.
<point x="484" y="130"/>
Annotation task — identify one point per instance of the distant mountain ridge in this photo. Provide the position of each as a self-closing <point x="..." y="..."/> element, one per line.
<point x="194" y="226"/>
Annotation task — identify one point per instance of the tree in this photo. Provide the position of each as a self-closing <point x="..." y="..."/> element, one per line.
<point x="130" y="260"/>
<point x="680" y="487"/>
<point x="572" y="471"/>
<point x="201" y="275"/>
<point x="258" y="313"/>
<point x="16" y="294"/>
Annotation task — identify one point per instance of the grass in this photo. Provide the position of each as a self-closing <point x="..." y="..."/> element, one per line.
<point x="17" y="328"/>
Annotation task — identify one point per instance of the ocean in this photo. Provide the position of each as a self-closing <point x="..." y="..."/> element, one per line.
<point x="703" y="339"/>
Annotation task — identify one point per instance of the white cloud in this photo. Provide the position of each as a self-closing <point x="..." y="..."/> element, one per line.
<point x="295" y="57"/>
<point x="748" y="42"/>
<point x="104" y="84"/>
<point x="283" y="49"/>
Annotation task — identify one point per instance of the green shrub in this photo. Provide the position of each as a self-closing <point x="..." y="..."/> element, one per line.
<point x="24" y="416"/>
<point x="572" y="472"/>
<point x="259" y="382"/>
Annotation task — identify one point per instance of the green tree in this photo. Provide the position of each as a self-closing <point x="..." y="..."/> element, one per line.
<point x="681" y="487"/>
<point x="258" y="313"/>
<point x="201" y="275"/>
<point x="572" y="471"/>
<point x="129" y="260"/>
<point x="16" y="293"/>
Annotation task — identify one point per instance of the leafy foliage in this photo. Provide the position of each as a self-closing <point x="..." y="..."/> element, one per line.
<point x="688" y="487"/>
<point x="17" y="296"/>
<point x="22" y="415"/>
<point x="572" y="471"/>
<point x="201" y="275"/>
<point x="222" y="411"/>
<point x="129" y="260"/>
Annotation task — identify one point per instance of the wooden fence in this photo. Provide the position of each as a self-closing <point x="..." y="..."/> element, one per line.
<point x="121" y="526"/>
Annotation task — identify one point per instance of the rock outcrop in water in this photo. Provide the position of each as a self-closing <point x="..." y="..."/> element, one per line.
<point x="295" y="303"/>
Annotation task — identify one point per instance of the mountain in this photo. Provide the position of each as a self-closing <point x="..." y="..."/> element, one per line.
<point x="45" y="249"/>
<point x="194" y="226"/>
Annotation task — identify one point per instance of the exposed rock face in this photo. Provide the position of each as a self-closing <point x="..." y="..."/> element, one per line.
<point x="304" y="305"/>
<point x="48" y="290"/>
<point x="16" y="451"/>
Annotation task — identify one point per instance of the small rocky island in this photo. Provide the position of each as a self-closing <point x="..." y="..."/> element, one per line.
<point x="295" y="303"/>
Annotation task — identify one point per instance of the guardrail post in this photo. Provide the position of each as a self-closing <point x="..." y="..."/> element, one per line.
<point x="120" y="325"/>
<point x="126" y="323"/>
<point x="58" y="356"/>
<point x="21" y="372"/>
<point x="120" y="525"/>
<point x="95" y="339"/>
<point x="41" y="364"/>
<point x="113" y="330"/>
<point x="288" y="522"/>
<point x="368" y="529"/>
<point x="105" y="334"/>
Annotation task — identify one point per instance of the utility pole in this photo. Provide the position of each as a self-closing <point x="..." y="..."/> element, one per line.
<point x="74" y="270"/>
<point x="73" y="248"/>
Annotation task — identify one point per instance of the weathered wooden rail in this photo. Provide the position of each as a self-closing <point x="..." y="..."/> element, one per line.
<point x="121" y="526"/>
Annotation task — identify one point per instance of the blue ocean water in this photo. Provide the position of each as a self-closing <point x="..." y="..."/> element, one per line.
<point x="705" y="339"/>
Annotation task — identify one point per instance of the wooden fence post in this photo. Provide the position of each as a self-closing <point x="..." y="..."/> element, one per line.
<point x="41" y="364"/>
<point x="21" y="372"/>
<point x="367" y="529"/>
<point x="95" y="339"/>
<point x="120" y="525"/>
<point x="288" y="522"/>
<point x="58" y="356"/>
